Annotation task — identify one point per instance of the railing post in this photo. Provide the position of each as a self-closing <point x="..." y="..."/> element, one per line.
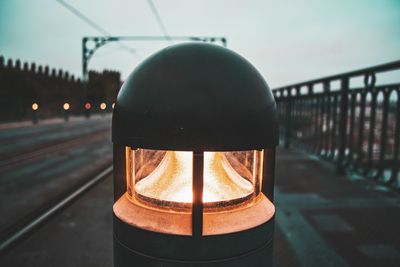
<point x="396" y="165"/>
<point x="327" y="118"/>
<point x="310" y="92"/>
<point x="288" y="119"/>
<point x="344" y="103"/>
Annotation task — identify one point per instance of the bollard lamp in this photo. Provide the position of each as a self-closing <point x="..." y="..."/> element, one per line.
<point x="194" y="132"/>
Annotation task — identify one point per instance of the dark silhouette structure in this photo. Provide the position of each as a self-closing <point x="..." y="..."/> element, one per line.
<point x="99" y="41"/>
<point x="21" y="85"/>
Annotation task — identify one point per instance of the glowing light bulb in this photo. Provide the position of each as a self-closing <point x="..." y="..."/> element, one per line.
<point x="35" y="106"/>
<point x="66" y="106"/>
<point x="172" y="179"/>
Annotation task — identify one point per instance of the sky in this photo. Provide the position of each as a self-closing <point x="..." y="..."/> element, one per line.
<point x="287" y="41"/>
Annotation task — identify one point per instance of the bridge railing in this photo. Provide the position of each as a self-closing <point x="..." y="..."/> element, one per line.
<point x="349" y="118"/>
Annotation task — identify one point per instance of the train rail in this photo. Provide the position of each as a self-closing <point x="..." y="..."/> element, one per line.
<point x="52" y="148"/>
<point x="18" y="233"/>
<point x="18" y="133"/>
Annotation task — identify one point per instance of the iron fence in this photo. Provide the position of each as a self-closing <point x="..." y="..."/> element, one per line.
<point x="349" y="119"/>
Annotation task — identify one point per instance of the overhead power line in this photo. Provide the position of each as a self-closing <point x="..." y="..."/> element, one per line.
<point x="84" y="18"/>
<point x="94" y="25"/>
<point x="159" y="20"/>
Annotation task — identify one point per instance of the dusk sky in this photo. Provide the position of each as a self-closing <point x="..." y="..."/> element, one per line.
<point x="288" y="41"/>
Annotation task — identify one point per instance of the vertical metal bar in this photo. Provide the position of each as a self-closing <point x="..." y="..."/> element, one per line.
<point x="310" y="114"/>
<point x="328" y="118"/>
<point x="322" y="124"/>
<point x="307" y="118"/>
<point x="295" y="123"/>
<point x="268" y="173"/>
<point x="328" y="126"/>
<point x="297" y="119"/>
<point x="351" y="145"/>
<point x="384" y="130"/>
<point x="119" y="160"/>
<point x="396" y="163"/>
<point x="258" y="156"/>
<point x="197" y="188"/>
<point x="84" y="82"/>
<point x="334" y="126"/>
<point x="342" y="124"/>
<point x="288" y="119"/>
<point x="84" y="59"/>
<point x="361" y="130"/>
<point x="302" y="115"/>
<point x="316" y="126"/>
<point x="371" y="135"/>
<point x="129" y="169"/>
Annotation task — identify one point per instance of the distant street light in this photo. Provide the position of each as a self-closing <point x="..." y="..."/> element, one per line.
<point x="103" y="106"/>
<point x="88" y="106"/>
<point x="35" y="108"/>
<point x="66" y="108"/>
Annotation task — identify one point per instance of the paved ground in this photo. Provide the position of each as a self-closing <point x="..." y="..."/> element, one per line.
<point x="322" y="220"/>
<point x="81" y="236"/>
<point x="39" y="163"/>
<point x="334" y="221"/>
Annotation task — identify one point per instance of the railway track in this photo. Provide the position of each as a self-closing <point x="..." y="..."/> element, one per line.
<point x="58" y="147"/>
<point x="16" y="134"/>
<point x="12" y="236"/>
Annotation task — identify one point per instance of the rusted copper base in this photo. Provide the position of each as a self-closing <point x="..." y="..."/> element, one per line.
<point x="140" y="243"/>
<point x="249" y="215"/>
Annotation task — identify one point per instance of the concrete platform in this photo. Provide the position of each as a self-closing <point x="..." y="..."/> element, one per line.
<point x="331" y="220"/>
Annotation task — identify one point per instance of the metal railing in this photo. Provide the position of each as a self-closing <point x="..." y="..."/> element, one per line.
<point x="357" y="126"/>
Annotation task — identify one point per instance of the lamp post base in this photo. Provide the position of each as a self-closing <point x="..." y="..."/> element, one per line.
<point x="142" y="248"/>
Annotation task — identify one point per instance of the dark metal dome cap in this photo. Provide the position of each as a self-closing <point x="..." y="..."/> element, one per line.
<point x="195" y="96"/>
